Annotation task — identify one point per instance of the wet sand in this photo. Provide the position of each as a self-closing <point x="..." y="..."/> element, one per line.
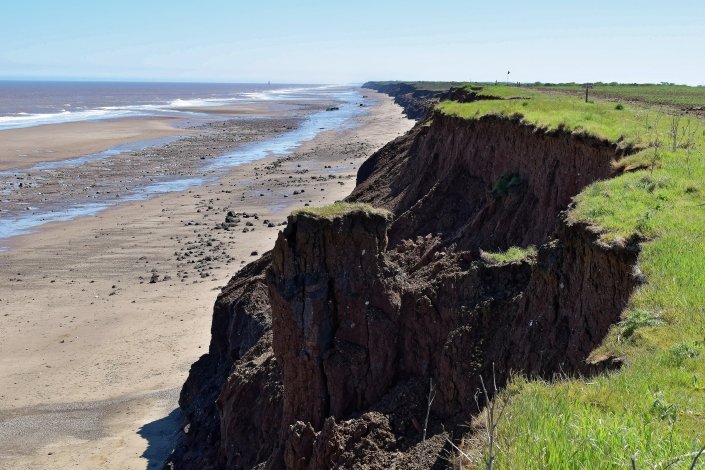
<point x="101" y="180"/>
<point x="23" y="148"/>
<point x="94" y="352"/>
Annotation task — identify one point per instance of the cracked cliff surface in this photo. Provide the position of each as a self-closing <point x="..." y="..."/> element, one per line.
<point x="323" y="352"/>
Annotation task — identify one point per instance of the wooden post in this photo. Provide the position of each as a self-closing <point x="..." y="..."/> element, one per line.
<point x="587" y="87"/>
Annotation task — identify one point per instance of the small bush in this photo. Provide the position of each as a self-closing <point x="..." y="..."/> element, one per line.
<point x="651" y="184"/>
<point x="619" y="107"/>
<point x="681" y="352"/>
<point x="639" y="318"/>
<point x="664" y="410"/>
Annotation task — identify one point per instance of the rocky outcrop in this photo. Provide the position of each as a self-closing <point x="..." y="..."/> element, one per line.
<point x="324" y="352"/>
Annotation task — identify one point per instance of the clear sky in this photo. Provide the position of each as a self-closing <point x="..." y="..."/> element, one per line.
<point x="346" y="41"/>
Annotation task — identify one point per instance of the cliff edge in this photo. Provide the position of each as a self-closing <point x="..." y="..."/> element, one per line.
<point x="326" y="352"/>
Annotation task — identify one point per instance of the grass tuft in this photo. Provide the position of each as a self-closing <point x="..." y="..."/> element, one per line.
<point x="639" y="318"/>
<point x="512" y="255"/>
<point x="339" y="208"/>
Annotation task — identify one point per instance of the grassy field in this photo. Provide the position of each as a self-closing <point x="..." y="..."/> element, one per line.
<point x="653" y="408"/>
<point x="425" y="85"/>
<point x="670" y="95"/>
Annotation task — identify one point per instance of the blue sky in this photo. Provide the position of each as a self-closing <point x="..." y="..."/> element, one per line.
<point x="352" y="41"/>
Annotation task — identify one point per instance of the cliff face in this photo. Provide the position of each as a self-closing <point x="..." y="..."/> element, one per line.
<point x="359" y="328"/>
<point x="331" y="309"/>
<point x="417" y="103"/>
<point x="577" y="290"/>
<point x="323" y="354"/>
<point x="507" y="181"/>
<point x="239" y="368"/>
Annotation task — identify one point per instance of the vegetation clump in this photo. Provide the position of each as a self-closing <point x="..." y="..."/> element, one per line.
<point x="506" y="182"/>
<point x="340" y="208"/>
<point x="512" y="255"/>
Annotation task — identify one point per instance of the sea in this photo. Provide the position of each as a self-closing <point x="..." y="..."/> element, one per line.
<point x="32" y="103"/>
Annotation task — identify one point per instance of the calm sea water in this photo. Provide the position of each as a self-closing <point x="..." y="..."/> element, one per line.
<point x="27" y="104"/>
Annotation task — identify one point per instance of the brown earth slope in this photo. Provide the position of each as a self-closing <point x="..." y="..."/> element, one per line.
<point x="323" y="352"/>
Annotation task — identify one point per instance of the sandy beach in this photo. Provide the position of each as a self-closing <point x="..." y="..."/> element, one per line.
<point x="22" y="148"/>
<point x="102" y="316"/>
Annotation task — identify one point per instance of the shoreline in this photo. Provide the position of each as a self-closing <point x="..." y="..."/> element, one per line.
<point x="68" y="191"/>
<point x="74" y="187"/>
<point x="82" y="327"/>
<point x="19" y="149"/>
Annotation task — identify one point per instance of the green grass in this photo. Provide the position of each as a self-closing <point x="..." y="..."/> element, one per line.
<point x="668" y="95"/>
<point x="338" y="209"/>
<point x="654" y="406"/>
<point x="632" y="126"/>
<point x="424" y="85"/>
<point x="511" y="255"/>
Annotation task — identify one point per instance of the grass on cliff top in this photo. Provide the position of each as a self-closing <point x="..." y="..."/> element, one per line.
<point x="668" y="95"/>
<point x="654" y="406"/>
<point x="340" y="208"/>
<point x="626" y="124"/>
<point x="511" y="255"/>
<point x="424" y="85"/>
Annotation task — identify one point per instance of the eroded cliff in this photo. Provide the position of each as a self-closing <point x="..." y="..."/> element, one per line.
<point x="416" y="102"/>
<point x="324" y="352"/>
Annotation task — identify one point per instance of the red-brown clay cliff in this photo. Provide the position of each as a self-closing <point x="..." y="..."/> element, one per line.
<point x="323" y="351"/>
<point x="331" y="310"/>
<point x="488" y="183"/>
